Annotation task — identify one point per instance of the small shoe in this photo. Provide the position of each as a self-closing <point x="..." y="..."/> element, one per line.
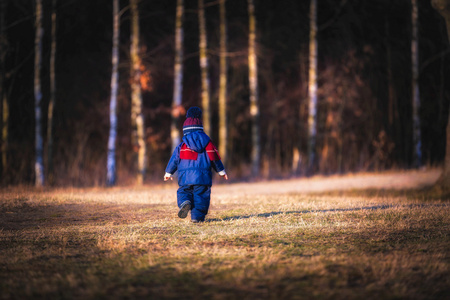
<point x="196" y="221"/>
<point x="184" y="209"/>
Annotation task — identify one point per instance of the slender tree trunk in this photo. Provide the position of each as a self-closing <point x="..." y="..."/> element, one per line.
<point x="417" y="139"/>
<point x="312" y="86"/>
<point x="137" y="118"/>
<point x="39" y="165"/>
<point x="297" y="153"/>
<point x="178" y="75"/>
<point x="204" y="68"/>
<point x="390" y="79"/>
<point x="393" y="116"/>
<point x="443" y="7"/>
<point x="253" y="84"/>
<point x="223" y="130"/>
<point x="441" y="85"/>
<point x="51" y="103"/>
<point x="3" y="102"/>
<point x="5" y="120"/>
<point x="111" y="159"/>
<point x="445" y="177"/>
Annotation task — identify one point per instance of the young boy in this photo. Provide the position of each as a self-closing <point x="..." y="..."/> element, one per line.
<point x="194" y="158"/>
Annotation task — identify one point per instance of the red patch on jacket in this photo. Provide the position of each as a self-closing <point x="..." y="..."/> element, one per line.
<point x="186" y="153"/>
<point x="212" y="152"/>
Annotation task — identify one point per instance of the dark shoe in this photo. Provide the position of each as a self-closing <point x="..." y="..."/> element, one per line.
<point x="184" y="209"/>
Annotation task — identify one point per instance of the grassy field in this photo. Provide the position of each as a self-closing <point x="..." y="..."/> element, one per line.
<point x="260" y="241"/>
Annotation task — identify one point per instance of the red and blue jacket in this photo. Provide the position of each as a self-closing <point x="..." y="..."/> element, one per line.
<point x="194" y="158"/>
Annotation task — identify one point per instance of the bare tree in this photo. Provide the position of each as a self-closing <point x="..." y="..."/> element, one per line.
<point x="253" y="83"/>
<point x="51" y="103"/>
<point x="312" y="84"/>
<point x="443" y="7"/>
<point x="223" y="130"/>
<point x="3" y="103"/>
<point x="111" y="157"/>
<point x="177" y="110"/>
<point x="203" y="44"/>
<point x="417" y="139"/>
<point x="39" y="164"/>
<point x="392" y="108"/>
<point x="137" y="118"/>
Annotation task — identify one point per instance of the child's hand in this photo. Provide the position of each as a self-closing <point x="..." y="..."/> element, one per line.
<point x="224" y="176"/>
<point x="167" y="178"/>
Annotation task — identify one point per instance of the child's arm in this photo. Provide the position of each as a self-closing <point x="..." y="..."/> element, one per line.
<point x="224" y="175"/>
<point x="172" y="166"/>
<point x="216" y="163"/>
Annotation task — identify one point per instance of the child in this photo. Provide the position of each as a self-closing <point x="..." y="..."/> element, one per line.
<point x="193" y="159"/>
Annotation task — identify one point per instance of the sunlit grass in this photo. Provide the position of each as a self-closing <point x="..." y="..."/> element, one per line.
<point x="125" y="243"/>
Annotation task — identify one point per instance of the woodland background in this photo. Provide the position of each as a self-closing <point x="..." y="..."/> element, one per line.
<point x="364" y="114"/>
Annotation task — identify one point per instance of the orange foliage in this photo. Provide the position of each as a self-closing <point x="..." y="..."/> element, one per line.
<point x="178" y="111"/>
<point x="145" y="79"/>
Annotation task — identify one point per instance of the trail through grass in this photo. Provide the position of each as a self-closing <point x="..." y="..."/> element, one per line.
<point x="259" y="242"/>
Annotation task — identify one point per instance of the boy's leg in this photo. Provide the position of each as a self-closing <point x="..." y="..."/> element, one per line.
<point x="184" y="200"/>
<point x="202" y="195"/>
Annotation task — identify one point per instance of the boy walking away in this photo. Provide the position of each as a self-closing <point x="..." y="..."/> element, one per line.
<point x="194" y="158"/>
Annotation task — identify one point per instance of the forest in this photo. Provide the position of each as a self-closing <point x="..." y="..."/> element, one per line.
<point x="380" y="80"/>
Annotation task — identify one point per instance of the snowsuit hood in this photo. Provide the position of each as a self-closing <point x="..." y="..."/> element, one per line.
<point x="196" y="141"/>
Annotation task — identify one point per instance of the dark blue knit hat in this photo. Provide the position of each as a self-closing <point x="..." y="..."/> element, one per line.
<point x="193" y="120"/>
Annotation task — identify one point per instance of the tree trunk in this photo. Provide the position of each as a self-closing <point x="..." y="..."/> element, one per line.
<point x="3" y="102"/>
<point x="111" y="159"/>
<point x="443" y="7"/>
<point x="253" y="84"/>
<point x="392" y="99"/>
<point x="204" y="69"/>
<point x="417" y="139"/>
<point x="51" y="103"/>
<point x="39" y="165"/>
<point x="223" y="131"/>
<point x="5" y="120"/>
<point x="393" y="116"/>
<point x="297" y="155"/>
<point x="178" y="76"/>
<point x="137" y="118"/>
<point x="312" y="86"/>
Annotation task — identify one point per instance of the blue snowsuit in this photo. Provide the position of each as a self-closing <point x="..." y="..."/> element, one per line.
<point x="194" y="158"/>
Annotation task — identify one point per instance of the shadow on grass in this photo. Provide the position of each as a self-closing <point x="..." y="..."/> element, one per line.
<point x="275" y="213"/>
<point x="22" y="215"/>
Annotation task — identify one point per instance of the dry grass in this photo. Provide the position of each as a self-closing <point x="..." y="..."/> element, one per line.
<point x="128" y="243"/>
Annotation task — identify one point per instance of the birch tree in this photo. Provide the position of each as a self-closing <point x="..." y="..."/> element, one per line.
<point x="223" y="130"/>
<point x="253" y="84"/>
<point x="51" y="104"/>
<point x="443" y="7"/>
<point x="312" y="84"/>
<point x="178" y="75"/>
<point x="39" y="165"/>
<point x="204" y="68"/>
<point x="137" y="118"/>
<point x="417" y="140"/>
<point x="111" y="156"/>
